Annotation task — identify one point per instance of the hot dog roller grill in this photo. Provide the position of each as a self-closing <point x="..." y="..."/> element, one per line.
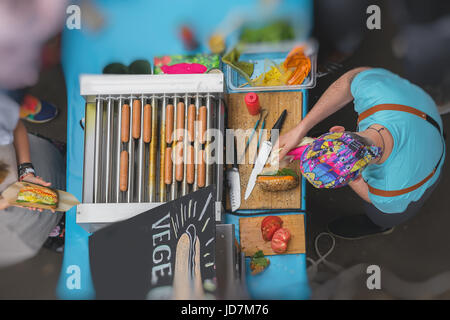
<point x="128" y="120"/>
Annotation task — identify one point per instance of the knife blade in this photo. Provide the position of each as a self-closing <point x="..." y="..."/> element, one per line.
<point x="234" y="182"/>
<point x="263" y="154"/>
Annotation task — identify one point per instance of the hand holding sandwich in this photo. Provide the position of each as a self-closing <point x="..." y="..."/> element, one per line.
<point x="36" y="180"/>
<point x="32" y="179"/>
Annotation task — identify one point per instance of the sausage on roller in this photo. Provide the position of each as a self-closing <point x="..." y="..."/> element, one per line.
<point x="123" y="181"/>
<point x="201" y="171"/>
<point x="180" y="121"/>
<point x="190" y="170"/>
<point x="202" y="113"/>
<point x="179" y="162"/>
<point x="147" y="135"/>
<point x="191" y="123"/>
<point x="168" y="166"/>
<point x="136" y="129"/>
<point x="125" y="133"/>
<point x="169" y="123"/>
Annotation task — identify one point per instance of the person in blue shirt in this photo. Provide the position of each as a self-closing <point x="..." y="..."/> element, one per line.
<point x="394" y="160"/>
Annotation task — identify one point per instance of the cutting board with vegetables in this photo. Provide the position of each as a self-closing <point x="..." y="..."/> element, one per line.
<point x="252" y="241"/>
<point x="239" y="118"/>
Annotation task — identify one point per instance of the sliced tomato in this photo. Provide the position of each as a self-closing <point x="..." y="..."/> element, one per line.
<point x="278" y="246"/>
<point x="283" y="234"/>
<point x="269" y="225"/>
<point x="280" y="240"/>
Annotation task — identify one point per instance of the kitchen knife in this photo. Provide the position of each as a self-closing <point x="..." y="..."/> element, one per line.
<point x="264" y="153"/>
<point x="234" y="182"/>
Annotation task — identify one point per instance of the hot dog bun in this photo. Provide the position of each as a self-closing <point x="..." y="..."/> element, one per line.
<point x="282" y="180"/>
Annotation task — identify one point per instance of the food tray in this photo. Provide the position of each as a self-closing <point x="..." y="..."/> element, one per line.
<point x="257" y="54"/>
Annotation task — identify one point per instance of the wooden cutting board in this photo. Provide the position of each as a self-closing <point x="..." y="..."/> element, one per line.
<point x="239" y="118"/>
<point x="252" y="240"/>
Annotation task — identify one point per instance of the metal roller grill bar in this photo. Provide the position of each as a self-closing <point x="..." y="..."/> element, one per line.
<point x="109" y="142"/>
<point x="118" y="149"/>
<point x="130" y="190"/>
<point x="141" y="156"/>
<point x="184" y="184"/>
<point x="208" y="140"/>
<point x="174" y="185"/>
<point x="162" y="184"/>
<point x="152" y="151"/>
<point x="98" y="149"/>
<point x="196" y="142"/>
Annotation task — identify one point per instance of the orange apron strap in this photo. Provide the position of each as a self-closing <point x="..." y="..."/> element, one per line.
<point x="393" y="107"/>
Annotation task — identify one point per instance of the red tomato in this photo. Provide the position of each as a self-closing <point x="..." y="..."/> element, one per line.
<point x="283" y="234"/>
<point x="269" y="225"/>
<point x="278" y="246"/>
<point x="280" y="240"/>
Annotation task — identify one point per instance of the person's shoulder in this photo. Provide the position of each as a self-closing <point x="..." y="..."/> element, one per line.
<point x="369" y="76"/>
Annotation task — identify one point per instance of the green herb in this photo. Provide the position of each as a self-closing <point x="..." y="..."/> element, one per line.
<point x="281" y="172"/>
<point x="286" y="172"/>
<point x="259" y="263"/>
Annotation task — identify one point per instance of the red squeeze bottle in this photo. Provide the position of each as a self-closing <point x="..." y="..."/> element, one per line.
<point x="252" y="102"/>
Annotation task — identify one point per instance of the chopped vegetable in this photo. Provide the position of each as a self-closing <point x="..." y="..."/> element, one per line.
<point x="276" y="75"/>
<point x="244" y="68"/>
<point x="292" y="71"/>
<point x="302" y="64"/>
<point x="259" y="263"/>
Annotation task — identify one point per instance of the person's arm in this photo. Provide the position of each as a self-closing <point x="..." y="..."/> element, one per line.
<point x="361" y="188"/>
<point x="22" y="148"/>
<point x="332" y="100"/>
<point x="21" y="143"/>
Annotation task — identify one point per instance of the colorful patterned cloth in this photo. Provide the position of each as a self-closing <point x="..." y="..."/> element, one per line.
<point x="335" y="159"/>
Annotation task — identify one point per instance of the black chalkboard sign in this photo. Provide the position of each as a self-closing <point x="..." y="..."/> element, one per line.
<point x="165" y="253"/>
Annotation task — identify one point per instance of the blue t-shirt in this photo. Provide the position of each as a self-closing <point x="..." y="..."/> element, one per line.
<point x="417" y="144"/>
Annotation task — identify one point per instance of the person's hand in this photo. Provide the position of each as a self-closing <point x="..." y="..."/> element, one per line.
<point x="337" y="129"/>
<point x="288" y="141"/>
<point x="36" y="180"/>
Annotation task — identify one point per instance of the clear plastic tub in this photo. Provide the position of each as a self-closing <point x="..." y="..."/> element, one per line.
<point x="257" y="54"/>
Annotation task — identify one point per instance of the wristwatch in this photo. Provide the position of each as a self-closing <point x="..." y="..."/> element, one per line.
<point x="25" y="169"/>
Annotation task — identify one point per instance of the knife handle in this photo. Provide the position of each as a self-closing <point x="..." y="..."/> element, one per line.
<point x="278" y="124"/>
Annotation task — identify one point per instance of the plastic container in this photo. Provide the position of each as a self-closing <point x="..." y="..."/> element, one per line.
<point x="252" y="103"/>
<point x="257" y="54"/>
